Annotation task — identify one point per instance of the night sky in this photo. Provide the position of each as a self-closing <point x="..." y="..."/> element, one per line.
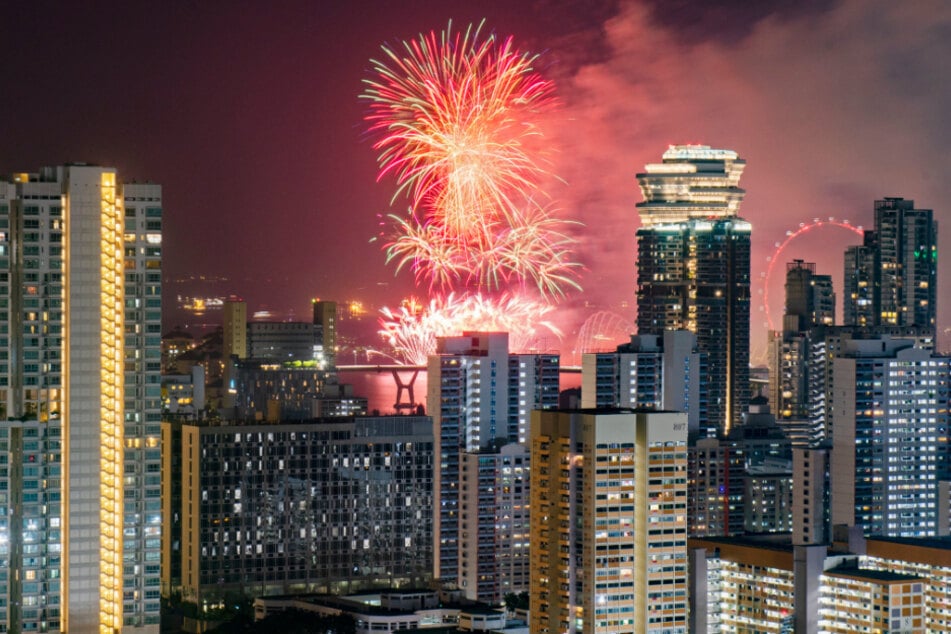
<point x="248" y="115"/>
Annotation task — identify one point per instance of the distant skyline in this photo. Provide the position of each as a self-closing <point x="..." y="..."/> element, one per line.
<point x="248" y="116"/>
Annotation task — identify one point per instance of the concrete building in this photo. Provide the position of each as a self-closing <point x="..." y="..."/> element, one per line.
<point x="295" y="390"/>
<point x="175" y="343"/>
<point x="889" y="436"/>
<point x="810" y="302"/>
<point x="494" y="524"/>
<point x="325" y="320"/>
<point x="693" y="268"/>
<point x="810" y="496"/>
<point x="235" y="329"/>
<point x="716" y="473"/>
<point x="332" y="506"/>
<point x="861" y="600"/>
<point x="533" y="384"/>
<point x="80" y="401"/>
<point x="822" y="345"/>
<point x="476" y="404"/>
<point x="650" y="372"/>
<point x="395" y="611"/>
<point x="892" y="278"/>
<point x="609" y="525"/>
<point x="184" y="394"/>
<point x="281" y="341"/>
<point x="765" y="584"/>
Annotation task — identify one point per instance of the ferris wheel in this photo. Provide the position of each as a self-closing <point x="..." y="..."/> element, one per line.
<point x="780" y="246"/>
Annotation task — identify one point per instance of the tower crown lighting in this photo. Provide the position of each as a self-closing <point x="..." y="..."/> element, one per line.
<point x="693" y="181"/>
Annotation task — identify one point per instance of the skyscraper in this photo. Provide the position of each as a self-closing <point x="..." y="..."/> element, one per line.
<point x="609" y="522"/>
<point x="494" y="522"/>
<point x="693" y="268"/>
<point x="810" y="302"/>
<point x="80" y="401"/>
<point x="477" y="405"/>
<point x="889" y="436"/>
<point x="891" y="279"/>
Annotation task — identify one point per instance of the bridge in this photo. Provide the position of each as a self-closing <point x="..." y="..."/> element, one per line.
<point x="405" y="385"/>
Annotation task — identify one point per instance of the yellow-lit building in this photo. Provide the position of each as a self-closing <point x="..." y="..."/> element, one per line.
<point x="860" y="600"/>
<point x="765" y="584"/>
<point x="929" y="559"/>
<point x="749" y="585"/>
<point x="80" y="401"/>
<point x="608" y="523"/>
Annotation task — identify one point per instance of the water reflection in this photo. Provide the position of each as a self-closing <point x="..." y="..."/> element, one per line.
<point x="380" y="388"/>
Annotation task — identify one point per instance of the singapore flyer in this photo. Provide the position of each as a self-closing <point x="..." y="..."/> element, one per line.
<point x="770" y="287"/>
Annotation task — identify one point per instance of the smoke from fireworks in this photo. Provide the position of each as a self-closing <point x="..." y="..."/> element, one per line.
<point x="455" y="117"/>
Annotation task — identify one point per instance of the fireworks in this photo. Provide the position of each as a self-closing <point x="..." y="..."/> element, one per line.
<point x="413" y="334"/>
<point x="455" y="116"/>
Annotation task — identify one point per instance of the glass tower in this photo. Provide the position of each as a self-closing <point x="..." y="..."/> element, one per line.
<point x="891" y="279"/>
<point x="693" y="268"/>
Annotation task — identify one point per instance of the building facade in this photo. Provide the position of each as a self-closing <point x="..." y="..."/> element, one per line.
<point x="80" y="401"/>
<point x="765" y="584"/>
<point x="716" y="470"/>
<point x="494" y="523"/>
<point x="650" y="372"/>
<point x="693" y="268"/>
<point x="810" y="302"/>
<point x="533" y="384"/>
<point x="889" y="436"/>
<point x="891" y="279"/>
<point x="608" y="524"/>
<point x="478" y="395"/>
<point x="332" y="506"/>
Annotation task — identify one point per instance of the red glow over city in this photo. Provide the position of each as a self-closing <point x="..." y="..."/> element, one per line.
<point x="253" y="123"/>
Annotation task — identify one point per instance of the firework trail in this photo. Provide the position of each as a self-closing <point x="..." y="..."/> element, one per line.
<point x="455" y="115"/>
<point x="413" y="334"/>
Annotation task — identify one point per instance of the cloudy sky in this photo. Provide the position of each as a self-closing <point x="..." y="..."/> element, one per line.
<point x="248" y="115"/>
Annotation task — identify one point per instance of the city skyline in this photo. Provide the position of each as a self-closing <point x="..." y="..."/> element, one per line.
<point x="251" y="121"/>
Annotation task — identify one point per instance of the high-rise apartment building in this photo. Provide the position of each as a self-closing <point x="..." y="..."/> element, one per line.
<point x="891" y="279"/>
<point x="467" y="391"/>
<point x="810" y="303"/>
<point x="716" y="470"/>
<point x="494" y="522"/>
<point x="765" y="584"/>
<point x="649" y="372"/>
<point x="810" y="300"/>
<point x="693" y="268"/>
<point x="80" y="401"/>
<point x="810" y="495"/>
<point x="477" y="404"/>
<point x="609" y="521"/>
<point x="533" y="384"/>
<point x="767" y="455"/>
<point x="889" y="433"/>
<point x="235" y="329"/>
